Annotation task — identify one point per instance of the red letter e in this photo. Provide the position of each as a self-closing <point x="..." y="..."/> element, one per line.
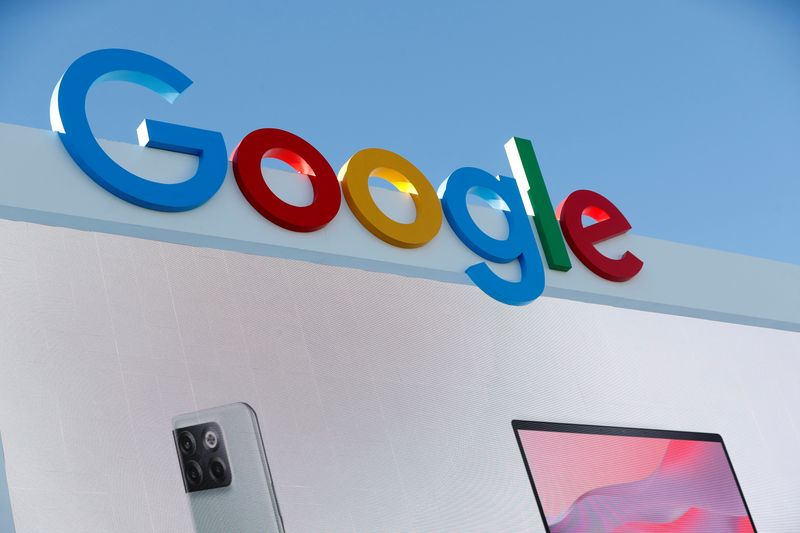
<point x="609" y="222"/>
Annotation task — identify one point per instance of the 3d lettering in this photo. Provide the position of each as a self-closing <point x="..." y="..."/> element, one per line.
<point x="519" y="245"/>
<point x="355" y="175"/>
<point x="609" y="222"/>
<point x="525" y="168"/>
<point x="68" y="118"/>
<point x="302" y="157"/>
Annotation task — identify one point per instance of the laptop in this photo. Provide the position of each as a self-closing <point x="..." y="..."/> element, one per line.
<point x="598" y="479"/>
<point x="6" y="520"/>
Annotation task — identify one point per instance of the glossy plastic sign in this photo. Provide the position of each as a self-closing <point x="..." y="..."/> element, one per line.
<point x="68" y="118"/>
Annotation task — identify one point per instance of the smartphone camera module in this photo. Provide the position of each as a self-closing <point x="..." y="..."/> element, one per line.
<point x="204" y="467"/>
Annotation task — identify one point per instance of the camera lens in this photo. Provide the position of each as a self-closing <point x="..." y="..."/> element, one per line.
<point x="194" y="474"/>
<point x="217" y="469"/>
<point x="210" y="439"/>
<point x="187" y="443"/>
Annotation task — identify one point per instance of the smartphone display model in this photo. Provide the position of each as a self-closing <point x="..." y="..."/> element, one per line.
<point x="6" y="518"/>
<point x="225" y="471"/>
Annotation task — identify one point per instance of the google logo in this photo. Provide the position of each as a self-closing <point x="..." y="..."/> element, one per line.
<point x="556" y="228"/>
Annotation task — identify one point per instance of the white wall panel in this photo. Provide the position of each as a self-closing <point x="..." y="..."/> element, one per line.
<point x="386" y="401"/>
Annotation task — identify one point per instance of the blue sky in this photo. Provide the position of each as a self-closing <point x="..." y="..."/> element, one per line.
<point x="685" y="113"/>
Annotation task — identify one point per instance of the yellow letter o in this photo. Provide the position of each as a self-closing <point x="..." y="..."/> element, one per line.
<point x="401" y="173"/>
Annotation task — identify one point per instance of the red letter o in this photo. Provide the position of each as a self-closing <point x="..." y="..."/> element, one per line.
<point x="301" y="156"/>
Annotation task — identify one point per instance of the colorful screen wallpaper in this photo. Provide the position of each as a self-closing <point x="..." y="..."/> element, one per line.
<point x="621" y="484"/>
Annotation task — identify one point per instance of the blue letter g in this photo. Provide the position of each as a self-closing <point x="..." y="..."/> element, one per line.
<point x="68" y="117"/>
<point x="520" y="244"/>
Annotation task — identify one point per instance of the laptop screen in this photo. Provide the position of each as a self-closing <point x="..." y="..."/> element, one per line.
<point x="589" y="479"/>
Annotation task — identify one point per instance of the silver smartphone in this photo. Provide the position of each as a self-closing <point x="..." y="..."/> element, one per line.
<point x="225" y="471"/>
<point x="6" y="518"/>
